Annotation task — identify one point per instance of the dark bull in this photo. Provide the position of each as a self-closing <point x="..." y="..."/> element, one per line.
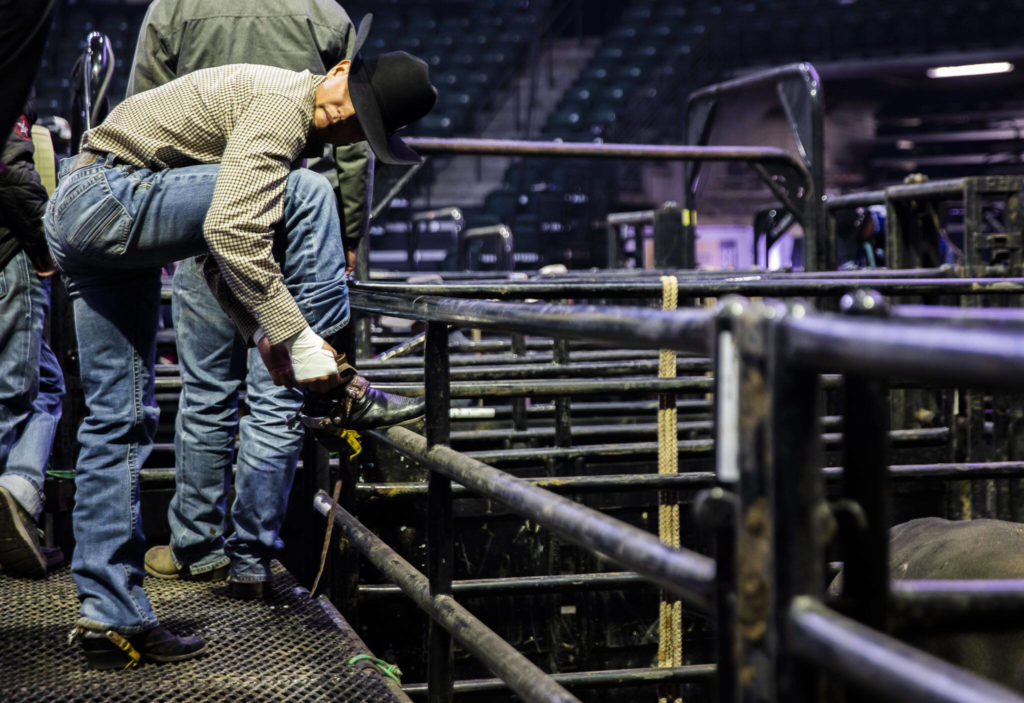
<point x="934" y="548"/>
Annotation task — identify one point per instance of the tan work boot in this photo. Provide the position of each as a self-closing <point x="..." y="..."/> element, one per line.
<point x="159" y="563"/>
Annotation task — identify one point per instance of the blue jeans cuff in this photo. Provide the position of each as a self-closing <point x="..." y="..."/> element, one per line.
<point x="23" y="490"/>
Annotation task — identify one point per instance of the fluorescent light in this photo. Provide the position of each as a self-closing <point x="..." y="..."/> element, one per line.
<point x="973" y="69"/>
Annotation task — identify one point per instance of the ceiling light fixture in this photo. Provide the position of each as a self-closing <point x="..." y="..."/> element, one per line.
<point x="973" y="69"/>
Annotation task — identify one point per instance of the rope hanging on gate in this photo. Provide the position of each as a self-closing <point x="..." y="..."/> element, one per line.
<point x="670" y="635"/>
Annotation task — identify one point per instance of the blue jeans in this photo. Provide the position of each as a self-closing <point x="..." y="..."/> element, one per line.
<point x="214" y="363"/>
<point x="110" y="228"/>
<point x="31" y="384"/>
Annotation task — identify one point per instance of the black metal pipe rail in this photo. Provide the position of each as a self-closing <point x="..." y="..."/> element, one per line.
<point x="934" y="436"/>
<point x="875" y="347"/>
<point x="526" y="584"/>
<point x="688" y="574"/>
<point x="499" y="656"/>
<point x="560" y="387"/>
<point x="580" y="432"/>
<point x="153" y="477"/>
<point x="683" y="330"/>
<point x="602" y="275"/>
<point x="503" y="372"/>
<point x="800" y="92"/>
<point x="504" y="359"/>
<point x="791" y="345"/>
<point x="880" y="664"/>
<point x="611" y="678"/>
<point x="713" y="288"/>
<point x="588" y="150"/>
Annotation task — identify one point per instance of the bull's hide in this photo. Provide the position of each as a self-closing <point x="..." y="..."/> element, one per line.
<point x="933" y="548"/>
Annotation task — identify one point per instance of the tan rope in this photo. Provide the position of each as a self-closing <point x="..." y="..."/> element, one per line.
<point x="670" y="632"/>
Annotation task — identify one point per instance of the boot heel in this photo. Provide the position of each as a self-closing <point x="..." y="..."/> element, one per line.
<point x="108" y="650"/>
<point x="103" y="655"/>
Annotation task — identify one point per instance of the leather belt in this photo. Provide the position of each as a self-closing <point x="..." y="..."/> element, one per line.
<point x="86" y="158"/>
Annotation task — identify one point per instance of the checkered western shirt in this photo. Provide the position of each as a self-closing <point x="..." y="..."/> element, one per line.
<point x="255" y="122"/>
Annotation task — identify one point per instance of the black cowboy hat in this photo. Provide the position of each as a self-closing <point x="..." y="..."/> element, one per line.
<point x="388" y="92"/>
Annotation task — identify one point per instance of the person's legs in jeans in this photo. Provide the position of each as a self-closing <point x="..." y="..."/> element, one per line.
<point x="268" y="448"/>
<point x="117" y="346"/>
<point x="212" y="364"/>
<point x="267" y="456"/>
<point x="111" y="235"/>
<point x="31" y="387"/>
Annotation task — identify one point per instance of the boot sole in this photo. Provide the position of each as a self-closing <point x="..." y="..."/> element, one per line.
<point x="104" y="656"/>
<point x="18" y="553"/>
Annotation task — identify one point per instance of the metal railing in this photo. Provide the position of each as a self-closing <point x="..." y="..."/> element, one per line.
<point x="767" y="488"/>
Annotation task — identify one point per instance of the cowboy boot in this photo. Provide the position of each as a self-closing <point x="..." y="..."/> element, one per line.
<point x="355" y="405"/>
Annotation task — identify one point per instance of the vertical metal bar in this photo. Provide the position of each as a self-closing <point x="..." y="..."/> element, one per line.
<point x="563" y="421"/>
<point x="360" y="320"/>
<point x="563" y="438"/>
<point x="866" y="482"/>
<point x="671" y="248"/>
<point x="799" y="512"/>
<point x="752" y="647"/>
<point x="727" y="457"/>
<point x="440" y="531"/>
<point x="612" y="259"/>
<point x="519" y="422"/>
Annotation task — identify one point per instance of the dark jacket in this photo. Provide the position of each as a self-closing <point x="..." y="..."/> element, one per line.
<point x="22" y="199"/>
<point x="181" y="36"/>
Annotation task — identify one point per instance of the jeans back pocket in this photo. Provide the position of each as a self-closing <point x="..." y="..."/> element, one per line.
<point x="89" y="218"/>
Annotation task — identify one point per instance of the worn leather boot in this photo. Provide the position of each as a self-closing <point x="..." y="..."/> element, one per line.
<point x="355" y="405"/>
<point x="108" y="649"/>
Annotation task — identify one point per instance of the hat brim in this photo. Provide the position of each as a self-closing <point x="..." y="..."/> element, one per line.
<point x="389" y="149"/>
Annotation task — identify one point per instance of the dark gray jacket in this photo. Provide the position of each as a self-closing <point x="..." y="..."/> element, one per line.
<point x="22" y="199"/>
<point x="181" y="36"/>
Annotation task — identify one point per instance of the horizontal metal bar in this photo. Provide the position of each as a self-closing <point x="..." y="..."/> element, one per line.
<point x="522" y="675"/>
<point x="935" y="436"/>
<point x="594" y="150"/>
<point x="590" y="679"/>
<point x="602" y="275"/>
<point x="630" y="218"/>
<point x="549" y="387"/>
<point x="537" y="357"/>
<point x="579" y="432"/>
<point x="869" y="197"/>
<point x="952" y="188"/>
<point x="558" y="484"/>
<point x="682" y="330"/>
<point x="920" y="351"/>
<point x="498" y="373"/>
<point x="687" y="447"/>
<point x="713" y="288"/>
<point x="686" y="573"/>
<point x="525" y="584"/>
<point x="155" y="477"/>
<point x="1007" y="317"/>
<point x="880" y="664"/>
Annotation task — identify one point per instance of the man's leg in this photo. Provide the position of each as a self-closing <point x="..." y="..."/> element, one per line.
<point x="267" y="457"/>
<point x="114" y="284"/>
<point x="314" y="265"/>
<point x="212" y="364"/>
<point x="115" y="321"/>
<point x="28" y="417"/>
